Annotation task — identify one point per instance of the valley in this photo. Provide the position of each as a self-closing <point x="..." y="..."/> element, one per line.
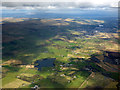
<point x="60" y="53"/>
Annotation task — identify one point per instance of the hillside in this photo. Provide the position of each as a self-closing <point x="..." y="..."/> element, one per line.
<point x="79" y="53"/>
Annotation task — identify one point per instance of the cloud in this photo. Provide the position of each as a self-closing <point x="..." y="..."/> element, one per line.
<point x="57" y="4"/>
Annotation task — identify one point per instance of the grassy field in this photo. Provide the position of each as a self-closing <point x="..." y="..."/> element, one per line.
<point x="78" y="49"/>
<point x="16" y="84"/>
<point x="98" y="80"/>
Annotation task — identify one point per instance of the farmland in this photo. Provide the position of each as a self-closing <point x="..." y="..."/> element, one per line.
<point x="86" y="52"/>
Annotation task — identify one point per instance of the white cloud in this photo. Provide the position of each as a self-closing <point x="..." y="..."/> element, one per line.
<point x="58" y="4"/>
<point x="51" y="7"/>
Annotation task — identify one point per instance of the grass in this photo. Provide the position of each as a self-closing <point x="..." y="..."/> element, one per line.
<point x="45" y="74"/>
<point x="76" y="83"/>
<point x="15" y="84"/>
<point x="97" y="80"/>
<point x="41" y="42"/>
<point x="11" y="68"/>
<point x="9" y="78"/>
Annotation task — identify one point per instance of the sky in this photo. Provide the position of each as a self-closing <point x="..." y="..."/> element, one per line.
<point x="59" y="4"/>
<point x="35" y="8"/>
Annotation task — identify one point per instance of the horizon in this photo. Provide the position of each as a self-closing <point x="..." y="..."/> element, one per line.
<point x="60" y="44"/>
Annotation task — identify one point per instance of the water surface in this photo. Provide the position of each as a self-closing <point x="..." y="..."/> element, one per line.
<point x="47" y="62"/>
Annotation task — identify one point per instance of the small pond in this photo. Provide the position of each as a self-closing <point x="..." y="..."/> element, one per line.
<point x="47" y="62"/>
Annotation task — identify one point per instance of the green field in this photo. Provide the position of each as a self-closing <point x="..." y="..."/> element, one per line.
<point x="78" y="52"/>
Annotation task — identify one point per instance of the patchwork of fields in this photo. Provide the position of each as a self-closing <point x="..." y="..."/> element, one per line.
<point x="86" y="53"/>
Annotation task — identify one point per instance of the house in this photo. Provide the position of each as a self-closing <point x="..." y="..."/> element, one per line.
<point x="62" y="75"/>
<point x="61" y="65"/>
<point x="36" y="87"/>
<point x="74" y="77"/>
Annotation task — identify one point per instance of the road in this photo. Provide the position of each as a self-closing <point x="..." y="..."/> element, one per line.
<point x="86" y="80"/>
